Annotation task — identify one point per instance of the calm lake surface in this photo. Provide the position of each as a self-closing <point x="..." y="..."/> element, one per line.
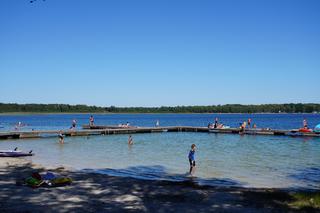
<point x="222" y="159"/>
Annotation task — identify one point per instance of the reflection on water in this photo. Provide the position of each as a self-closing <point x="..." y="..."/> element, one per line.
<point x="221" y="159"/>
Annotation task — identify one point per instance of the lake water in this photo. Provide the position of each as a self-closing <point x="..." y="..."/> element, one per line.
<point x="222" y="159"/>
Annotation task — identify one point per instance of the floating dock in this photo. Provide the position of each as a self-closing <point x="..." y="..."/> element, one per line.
<point x="109" y="130"/>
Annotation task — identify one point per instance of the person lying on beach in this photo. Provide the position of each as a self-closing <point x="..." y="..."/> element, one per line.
<point x="192" y="160"/>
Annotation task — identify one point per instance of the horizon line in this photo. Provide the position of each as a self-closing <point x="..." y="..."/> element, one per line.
<point x="89" y="105"/>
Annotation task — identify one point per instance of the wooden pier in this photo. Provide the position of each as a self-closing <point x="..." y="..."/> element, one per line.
<point x="109" y="130"/>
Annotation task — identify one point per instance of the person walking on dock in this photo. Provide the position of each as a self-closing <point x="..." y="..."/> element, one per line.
<point x="91" y="120"/>
<point x="216" y="121"/>
<point x="249" y="122"/>
<point x="74" y="124"/>
<point x="305" y="124"/>
<point x="192" y="160"/>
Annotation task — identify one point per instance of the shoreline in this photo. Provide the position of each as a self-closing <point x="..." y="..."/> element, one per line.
<point x="150" y="113"/>
<point x="92" y="192"/>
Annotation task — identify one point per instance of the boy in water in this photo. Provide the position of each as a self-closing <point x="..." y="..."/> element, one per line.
<point x="130" y="140"/>
<point x="192" y="159"/>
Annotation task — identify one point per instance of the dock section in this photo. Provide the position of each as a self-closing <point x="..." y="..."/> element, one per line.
<point x="107" y="130"/>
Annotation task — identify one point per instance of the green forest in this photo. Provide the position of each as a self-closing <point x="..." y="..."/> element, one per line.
<point x="228" y="108"/>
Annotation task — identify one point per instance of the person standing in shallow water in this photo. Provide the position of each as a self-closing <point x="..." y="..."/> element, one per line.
<point x="192" y="160"/>
<point x="130" y="140"/>
<point x="61" y="137"/>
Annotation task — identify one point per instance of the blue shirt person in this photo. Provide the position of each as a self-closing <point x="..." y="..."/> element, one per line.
<point x="192" y="160"/>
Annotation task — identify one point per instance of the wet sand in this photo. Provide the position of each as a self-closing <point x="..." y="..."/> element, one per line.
<point x="92" y="192"/>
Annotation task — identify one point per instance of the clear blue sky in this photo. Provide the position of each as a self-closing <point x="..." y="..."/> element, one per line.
<point x="154" y="53"/>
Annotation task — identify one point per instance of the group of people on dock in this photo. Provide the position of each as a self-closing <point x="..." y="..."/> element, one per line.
<point x="216" y="124"/>
<point x="248" y="125"/>
<point x="243" y="125"/>
<point x="126" y="125"/>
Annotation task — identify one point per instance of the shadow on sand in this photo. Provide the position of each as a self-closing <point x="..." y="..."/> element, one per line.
<point x="158" y="172"/>
<point x="92" y="192"/>
<point x="309" y="175"/>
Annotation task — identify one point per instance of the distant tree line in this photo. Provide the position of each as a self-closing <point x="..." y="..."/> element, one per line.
<point x="228" y="108"/>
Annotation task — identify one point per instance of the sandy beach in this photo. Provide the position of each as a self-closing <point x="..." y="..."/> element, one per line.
<point x="92" y="192"/>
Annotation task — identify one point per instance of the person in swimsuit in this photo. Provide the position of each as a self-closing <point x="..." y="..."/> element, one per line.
<point x="74" y="123"/>
<point x="130" y="140"/>
<point x="242" y="127"/>
<point x="215" y="123"/>
<point x="305" y="124"/>
<point x="249" y="122"/>
<point x="61" y="137"/>
<point x="192" y="160"/>
<point x="91" y="120"/>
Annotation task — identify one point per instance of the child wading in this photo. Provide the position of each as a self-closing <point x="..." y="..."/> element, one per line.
<point x="61" y="137"/>
<point x="130" y="140"/>
<point x="191" y="157"/>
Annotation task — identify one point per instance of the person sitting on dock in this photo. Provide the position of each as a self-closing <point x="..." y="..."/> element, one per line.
<point x="220" y="126"/>
<point x="243" y="127"/>
<point x="18" y="126"/>
<point x="91" y="120"/>
<point x="305" y="127"/>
